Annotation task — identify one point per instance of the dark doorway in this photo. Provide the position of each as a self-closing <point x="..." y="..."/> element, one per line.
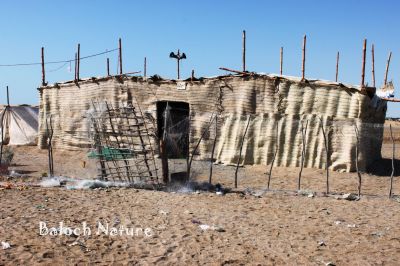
<point x="175" y="117"/>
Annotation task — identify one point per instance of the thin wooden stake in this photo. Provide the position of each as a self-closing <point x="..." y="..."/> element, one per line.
<point x="387" y="68"/>
<point x="163" y="148"/>
<point x="189" y="165"/>
<point x="145" y="67"/>
<point x="79" y="62"/>
<point x="303" y="66"/>
<point x="43" y="71"/>
<point x="327" y="156"/>
<point x="358" y="171"/>
<point x="244" y="51"/>
<point x="212" y="151"/>
<point x="76" y="66"/>
<point x="281" y="62"/>
<point x="108" y="66"/>
<point x="240" y="151"/>
<point x="192" y="77"/>
<point x="337" y="66"/>
<point x="8" y="98"/>
<point x="120" y="55"/>
<point x="303" y="152"/>
<point x="363" y="63"/>
<point x="393" y="152"/>
<point x="276" y="151"/>
<point x="373" y="65"/>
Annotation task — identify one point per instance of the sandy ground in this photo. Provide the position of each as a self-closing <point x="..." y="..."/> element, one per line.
<point x="274" y="227"/>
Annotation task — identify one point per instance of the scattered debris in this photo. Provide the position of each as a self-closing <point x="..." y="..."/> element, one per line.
<point x="350" y="196"/>
<point x="307" y="193"/>
<point x="216" y="228"/>
<point x="5" y="245"/>
<point x="163" y="212"/>
<point x="378" y="234"/>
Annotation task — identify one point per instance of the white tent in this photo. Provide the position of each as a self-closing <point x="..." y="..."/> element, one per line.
<point x="20" y="124"/>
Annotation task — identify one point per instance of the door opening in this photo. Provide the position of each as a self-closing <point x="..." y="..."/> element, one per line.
<point x="174" y="117"/>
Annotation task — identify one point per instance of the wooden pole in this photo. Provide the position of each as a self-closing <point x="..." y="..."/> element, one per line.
<point x="120" y="55"/>
<point x="240" y="151"/>
<point x="393" y="152"/>
<point x="189" y="165"/>
<point x="387" y="68"/>
<point x="76" y="66"/>
<point x="281" y="62"/>
<point x="43" y="71"/>
<point x="358" y="171"/>
<point x="145" y="67"/>
<point x="108" y="66"/>
<point x="8" y="98"/>
<point x="373" y="65"/>
<point x="163" y="148"/>
<point x="337" y="66"/>
<point x="303" y="66"/>
<point x="276" y="151"/>
<point x="303" y="152"/>
<point x="213" y="150"/>
<point x="79" y="62"/>
<point x="327" y="155"/>
<point x="363" y="63"/>
<point x="178" y="66"/>
<point x="244" y="51"/>
<point x="192" y="77"/>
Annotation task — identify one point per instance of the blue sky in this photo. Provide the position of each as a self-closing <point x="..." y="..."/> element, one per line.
<point x="209" y="32"/>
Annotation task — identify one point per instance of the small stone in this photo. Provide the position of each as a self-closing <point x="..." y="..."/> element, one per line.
<point x="330" y="264"/>
<point x="321" y="244"/>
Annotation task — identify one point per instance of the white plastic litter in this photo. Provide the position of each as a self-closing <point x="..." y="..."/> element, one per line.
<point x="5" y="245"/>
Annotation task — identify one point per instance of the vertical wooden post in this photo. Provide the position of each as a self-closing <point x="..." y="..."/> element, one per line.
<point x="358" y="171"/>
<point x="244" y="51"/>
<point x="337" y="66"/>
<point x="281" y="61"/>
<point x="326" y="154"/>
<point x="192" y="77"/>
<point x="163" y="148"/>
<point x="392" y="174"/>
<point x="240" y="152"/>
<point x="387" y="68"/>
<point x="108" y="66"/>
<point x="120" y="55"/>
<point x="373" y="65"/>
<point x="8" y="98"/>
<point x="303" y="66"/>
<point x="276" y="151"/>
<point x="43" y="71"/>
<point x="363" y="63"/>
<point x="303" y="152"/>
<point x="79" y="62"/>
<point x="213" y="150"/>
<point x="145" y="67"/>
<point x="76" y="66"/>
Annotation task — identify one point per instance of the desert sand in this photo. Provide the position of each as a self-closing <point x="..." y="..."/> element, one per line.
<point x="254" y="227"/>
